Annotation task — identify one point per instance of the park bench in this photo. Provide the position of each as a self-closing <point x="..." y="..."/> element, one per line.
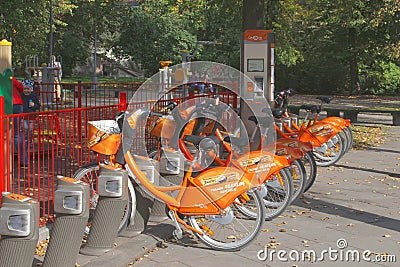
<point x="353" y="113"/>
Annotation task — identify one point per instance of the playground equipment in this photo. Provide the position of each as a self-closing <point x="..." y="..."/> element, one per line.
<point x="43" y="75"/>
<point x="5" y="55"/>
<point x="6" y="75"/>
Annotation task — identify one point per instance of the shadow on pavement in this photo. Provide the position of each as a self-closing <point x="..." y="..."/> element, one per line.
<point x="353" y="214"/>
<point x="384" y="150"/>
<point x="391" y="174"/>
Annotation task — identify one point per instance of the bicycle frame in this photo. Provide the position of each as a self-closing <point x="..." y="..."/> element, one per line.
<point x="209" y="193"/>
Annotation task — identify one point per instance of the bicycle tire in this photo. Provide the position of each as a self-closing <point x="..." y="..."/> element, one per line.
<point x="345" y="139"/>
<point x="235" y="234"/>
<point x="299" y="177"/>
<point x="277" y="195"/>
<point x="351" y="137"/>
<point x="88" y="174"/>
<point x="327" y="160"/>
<point x="311" y="169"/>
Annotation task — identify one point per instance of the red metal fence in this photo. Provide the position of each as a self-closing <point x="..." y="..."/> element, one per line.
<point x="42" y="145"/>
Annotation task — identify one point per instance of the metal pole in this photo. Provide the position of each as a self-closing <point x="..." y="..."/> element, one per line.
<point x="95" y="44"/>
<point x="51" y="32"/>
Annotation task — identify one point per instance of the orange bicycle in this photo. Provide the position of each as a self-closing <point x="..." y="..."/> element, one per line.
<point x="201" y="134"/>
<point x="209" y="204"/>
<point x="289" y="121"/>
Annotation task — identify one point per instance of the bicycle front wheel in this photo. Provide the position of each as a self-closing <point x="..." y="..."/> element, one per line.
<point x="327" y="155"/>
<point x="299" y="176"/>
<point x="277" y="193"/>
<point x="311" y="169"/>
<point x="232" y="230"/>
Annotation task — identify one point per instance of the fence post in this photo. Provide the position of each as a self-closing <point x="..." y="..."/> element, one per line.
<point x="2" y="158"/>
<point x="79" y="94"/>
<point x="123" y="101"/>
<point x="80" y="154"/>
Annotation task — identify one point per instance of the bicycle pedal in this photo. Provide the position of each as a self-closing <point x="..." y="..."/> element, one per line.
<point x="177" y="233"/>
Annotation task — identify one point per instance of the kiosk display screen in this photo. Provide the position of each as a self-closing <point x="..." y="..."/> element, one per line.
<point x="255" y="65"/>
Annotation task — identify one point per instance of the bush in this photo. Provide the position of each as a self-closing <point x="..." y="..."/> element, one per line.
<point x="383" y="79"/>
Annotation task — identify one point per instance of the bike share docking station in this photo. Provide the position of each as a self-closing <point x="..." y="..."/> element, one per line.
<point x="112" y="203"/>
<point x="71" y="205"/>
<point x="144" y="200"/>
<point x="257" y="63"/>
<point x="166" y="172"/>
<point x="19" y="230"/>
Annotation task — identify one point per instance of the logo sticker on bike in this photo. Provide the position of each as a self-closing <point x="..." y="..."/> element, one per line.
<point x="282" y="152"/>
<point x="261" y="167"/>
<point x="96" y="138"/>
<point x="250" y="162"/>
<point x="232" y="177"/>
<point x="293" y="144"/>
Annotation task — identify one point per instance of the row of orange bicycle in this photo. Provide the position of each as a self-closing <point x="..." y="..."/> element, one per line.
<point x="217" y="180"/>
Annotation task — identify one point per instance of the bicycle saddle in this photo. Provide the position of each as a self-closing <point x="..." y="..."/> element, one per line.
<point x="262" y="121"/>
<point x="238" y="141"/>
<point x="278" y="112"/>
<point x="325" y="99"/>
<point x="312" y="108"/>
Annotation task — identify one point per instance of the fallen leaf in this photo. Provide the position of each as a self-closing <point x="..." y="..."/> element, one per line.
<point x="387" y="236"/>
<point x="350" y="224"/>
<point x="282" y="230"/>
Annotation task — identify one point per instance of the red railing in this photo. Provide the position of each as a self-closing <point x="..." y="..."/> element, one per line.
<point x="39" y="146"/>
<point x="42" y="145"/>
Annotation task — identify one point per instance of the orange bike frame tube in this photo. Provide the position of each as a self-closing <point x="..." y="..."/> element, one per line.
<point x="159" y="192"/>
<point x="146" y="183"/>
<point x="295" y="126"/>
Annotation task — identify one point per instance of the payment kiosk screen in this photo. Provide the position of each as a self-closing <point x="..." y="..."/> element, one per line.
<point x="255" y="65"/>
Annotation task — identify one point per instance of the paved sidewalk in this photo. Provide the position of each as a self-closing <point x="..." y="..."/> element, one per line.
<point x="361" y="101"/>
<point x="356" y="202"/>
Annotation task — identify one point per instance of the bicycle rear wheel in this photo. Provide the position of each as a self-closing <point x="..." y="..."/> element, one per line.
<point x="232" y="230"/>
<point x="89" y="174"/>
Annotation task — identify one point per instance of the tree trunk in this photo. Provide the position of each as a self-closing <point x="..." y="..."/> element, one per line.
<point x="353" y="63"/>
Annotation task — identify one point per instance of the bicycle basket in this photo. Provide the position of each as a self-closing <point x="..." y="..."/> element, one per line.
<point x="104" y="137"/>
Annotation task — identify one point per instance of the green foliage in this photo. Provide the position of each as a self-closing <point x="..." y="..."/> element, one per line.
<point x="324" y="46"/>
<point x="382" y="78"/>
